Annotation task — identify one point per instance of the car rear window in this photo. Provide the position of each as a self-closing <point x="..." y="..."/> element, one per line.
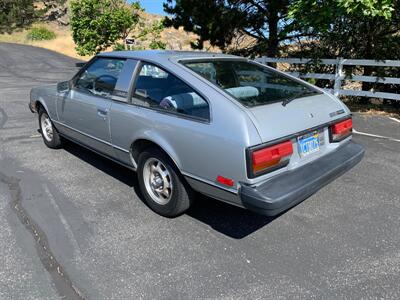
<point x="250" y="83"/>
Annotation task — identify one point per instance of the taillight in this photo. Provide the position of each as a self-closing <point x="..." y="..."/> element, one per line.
<point x="341" y="130"/>
<point x="269" y="158"/>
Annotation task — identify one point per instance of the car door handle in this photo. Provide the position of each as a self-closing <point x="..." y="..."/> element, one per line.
<point x="102" y="112"/>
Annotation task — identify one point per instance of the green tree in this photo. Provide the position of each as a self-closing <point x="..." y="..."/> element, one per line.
<point x="319" y="16"/>
<point x="221" y="21"/>
<point x="16" y="14"/>
<point x="99" y="24"/>
<point x="364" y="29"/>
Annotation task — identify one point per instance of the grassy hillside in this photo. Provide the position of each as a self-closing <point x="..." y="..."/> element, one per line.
<point x="63" y="43"/>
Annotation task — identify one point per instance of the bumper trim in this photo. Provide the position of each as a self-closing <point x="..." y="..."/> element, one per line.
<point x="285" y="190"/>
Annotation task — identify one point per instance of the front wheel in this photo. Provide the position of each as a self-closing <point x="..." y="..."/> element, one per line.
<point x="50" y="136"/>
<point x="162" y="186"/>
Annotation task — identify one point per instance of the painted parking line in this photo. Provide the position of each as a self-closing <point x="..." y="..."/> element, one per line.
<point x="394" y="119"/>
<point x="376" y="136"/>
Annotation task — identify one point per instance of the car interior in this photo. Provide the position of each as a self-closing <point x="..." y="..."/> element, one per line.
<point x="171" y="93"/>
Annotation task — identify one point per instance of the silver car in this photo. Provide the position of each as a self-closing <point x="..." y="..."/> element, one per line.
<point x="222" y="125"/>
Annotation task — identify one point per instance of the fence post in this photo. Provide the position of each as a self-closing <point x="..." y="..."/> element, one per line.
<point x="264" y="60"/>
<point x="338" y="76"/>
<point x="264" y="78"/>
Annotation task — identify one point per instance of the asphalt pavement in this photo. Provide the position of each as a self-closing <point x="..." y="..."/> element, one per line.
<point x="73" y="225"/>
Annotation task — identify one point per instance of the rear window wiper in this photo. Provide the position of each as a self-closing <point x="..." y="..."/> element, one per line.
<point x="296" y="96"/>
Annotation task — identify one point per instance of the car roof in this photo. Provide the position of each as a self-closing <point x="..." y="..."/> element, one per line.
<point x="160" y="55"/>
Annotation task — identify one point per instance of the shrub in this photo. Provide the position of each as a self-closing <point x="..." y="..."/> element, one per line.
<point x="119" y="47"/>
<point x="40" y="34"/>
<point x="157" y="45"/>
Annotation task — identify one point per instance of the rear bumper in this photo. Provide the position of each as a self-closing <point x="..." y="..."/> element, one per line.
<point x="290" y="188"/>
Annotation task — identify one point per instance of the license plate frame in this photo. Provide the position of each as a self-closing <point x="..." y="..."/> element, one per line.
<point x="309" y="143"/>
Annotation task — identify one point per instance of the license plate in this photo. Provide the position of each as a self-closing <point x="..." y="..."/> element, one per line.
<point x="309" y="143"/>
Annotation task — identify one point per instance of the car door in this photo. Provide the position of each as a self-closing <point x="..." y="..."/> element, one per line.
<point x="84" y="109"/>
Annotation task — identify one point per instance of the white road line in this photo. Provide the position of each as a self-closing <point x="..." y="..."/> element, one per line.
<point x="394" y="119"/>
<point x="376" y="136"/>
<point x="67" y="227"/>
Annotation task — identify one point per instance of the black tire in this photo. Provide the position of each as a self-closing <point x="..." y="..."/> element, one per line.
<point x="181" y="196"/>
<point x="55" y="142"/>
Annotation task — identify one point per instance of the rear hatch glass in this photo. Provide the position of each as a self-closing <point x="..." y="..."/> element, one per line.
<point x="249" y="83"/>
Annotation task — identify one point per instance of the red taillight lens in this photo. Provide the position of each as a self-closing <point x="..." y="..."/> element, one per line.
<point x="341" y="130"/>
<point x="270" y="158"/>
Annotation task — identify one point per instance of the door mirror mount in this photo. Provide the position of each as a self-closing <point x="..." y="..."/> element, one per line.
<point x="80" y="64"/>
<point x="63" y="86"/>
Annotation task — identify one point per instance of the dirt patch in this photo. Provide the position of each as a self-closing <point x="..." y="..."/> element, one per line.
<point x="373" y="108"/>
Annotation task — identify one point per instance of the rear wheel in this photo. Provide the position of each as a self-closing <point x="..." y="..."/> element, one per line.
<point x="50" y="136"/>
<point x="162" y="185"/>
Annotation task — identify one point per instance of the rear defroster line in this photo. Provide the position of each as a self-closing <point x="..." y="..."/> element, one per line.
<point x="376" y="136"/>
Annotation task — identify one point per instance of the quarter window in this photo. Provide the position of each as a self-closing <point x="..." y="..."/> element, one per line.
<point x="159" y="89"/>
<point x="101" y="76"/>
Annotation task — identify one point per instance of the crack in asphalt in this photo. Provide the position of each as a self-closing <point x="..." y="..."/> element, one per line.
<point x="3" y="118"/>
<point x="60" y="278"/>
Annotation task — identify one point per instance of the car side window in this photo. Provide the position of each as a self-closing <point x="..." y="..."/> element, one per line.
<point x="100" y="77"/>
<point x="160" y="89"/>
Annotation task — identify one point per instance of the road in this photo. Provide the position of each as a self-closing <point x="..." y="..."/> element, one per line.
<point x="74" y="227"/>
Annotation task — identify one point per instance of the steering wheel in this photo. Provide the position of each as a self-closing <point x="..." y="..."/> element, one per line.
<point x="104" y="78"/>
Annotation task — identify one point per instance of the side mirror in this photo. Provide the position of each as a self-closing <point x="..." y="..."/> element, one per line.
<point x="80" y="64"/>
<point x="63" y="87"/>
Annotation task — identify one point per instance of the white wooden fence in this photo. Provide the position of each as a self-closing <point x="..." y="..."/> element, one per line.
<point x="339" y="76"/>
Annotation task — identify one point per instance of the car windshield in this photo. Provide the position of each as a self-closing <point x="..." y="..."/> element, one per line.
<point x="250" y="83"/>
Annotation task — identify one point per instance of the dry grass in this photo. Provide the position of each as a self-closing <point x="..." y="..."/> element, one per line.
<point x="63" y="43"/>
<point x="375" y="107"/>
<point x="175" y="39"/>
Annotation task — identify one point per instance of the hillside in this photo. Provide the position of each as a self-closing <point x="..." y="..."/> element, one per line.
<point x="63" y="42"/>
<point x="57" y="21"/>
<point x="175" y="39"/>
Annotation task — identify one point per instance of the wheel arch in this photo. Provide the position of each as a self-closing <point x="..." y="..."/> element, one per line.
<point x="140" y="144"/>
<point x="39" y="103"/>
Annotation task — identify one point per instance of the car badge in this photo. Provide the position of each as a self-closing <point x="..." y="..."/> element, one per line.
<point x="335" y="113"/>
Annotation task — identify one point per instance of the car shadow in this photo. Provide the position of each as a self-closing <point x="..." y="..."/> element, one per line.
<point x="227" y="219"/>
<point x="232" y="221"/>
<point x="105" y="165"/>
